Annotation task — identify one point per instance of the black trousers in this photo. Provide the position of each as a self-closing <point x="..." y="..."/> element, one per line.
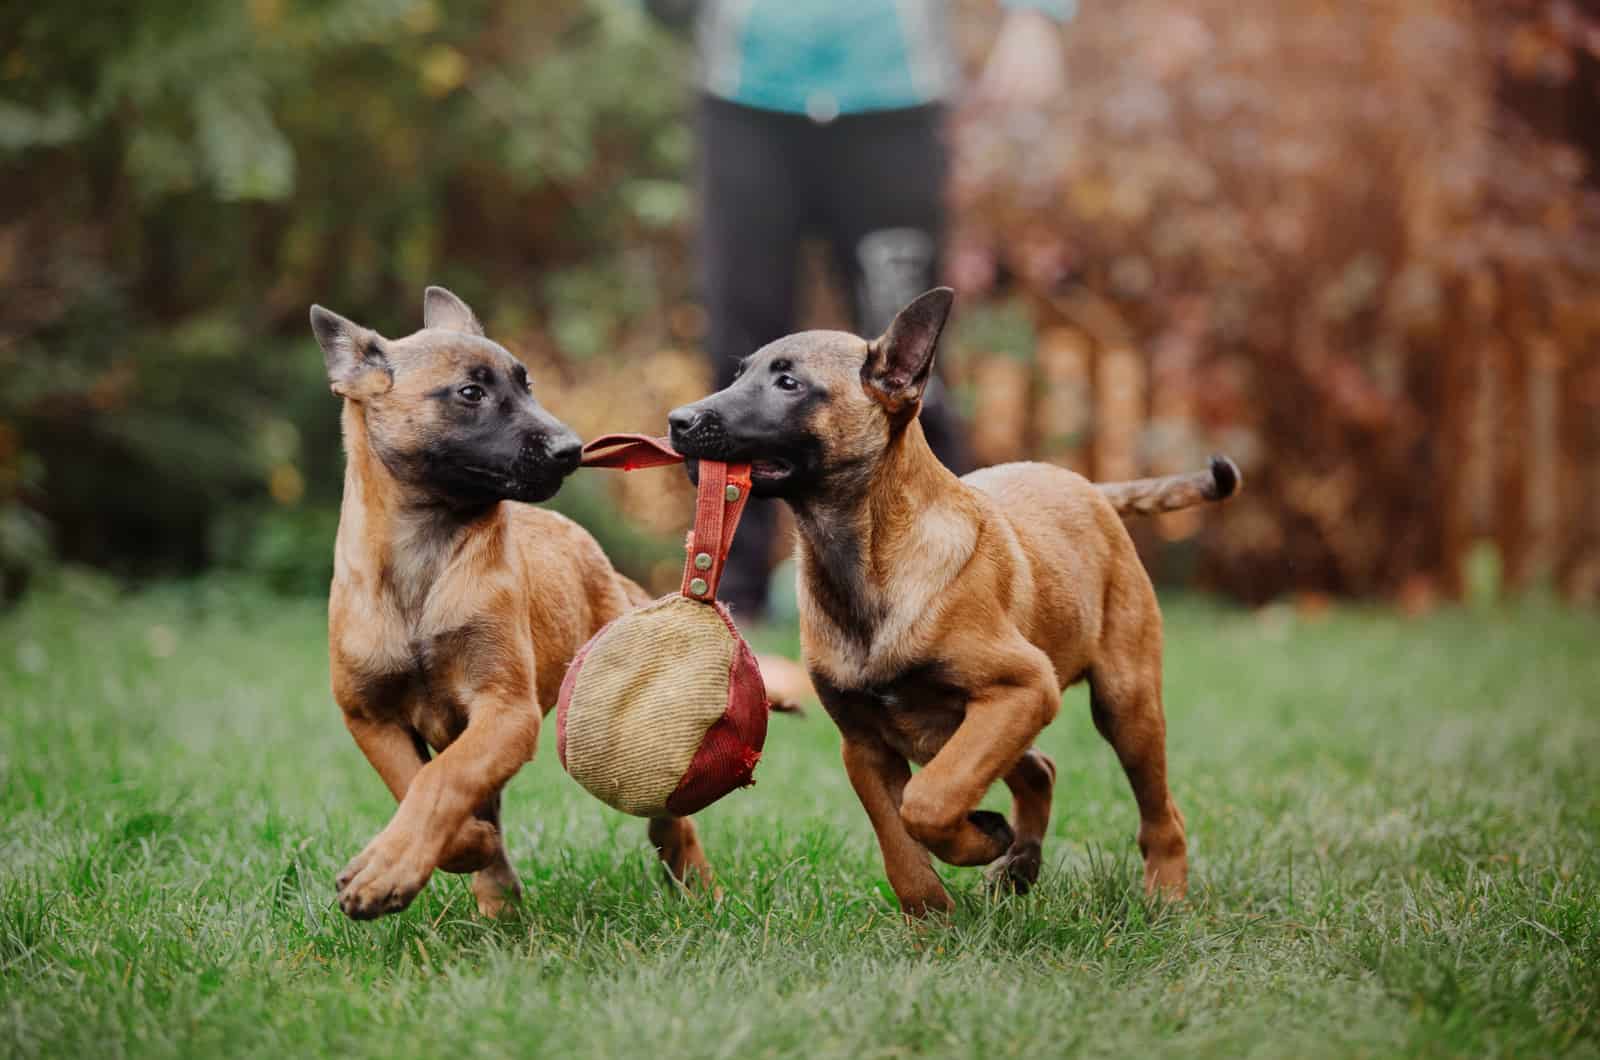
<point x="872" y="187"/>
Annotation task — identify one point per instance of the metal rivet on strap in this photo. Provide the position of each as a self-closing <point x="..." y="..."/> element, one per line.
<point x="732" y="493"/>
<point x="698" y="587"/>
<point x="702" y="561"/>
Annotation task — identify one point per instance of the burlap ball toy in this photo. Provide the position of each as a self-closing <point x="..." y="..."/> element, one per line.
<point x="663" y="712"/>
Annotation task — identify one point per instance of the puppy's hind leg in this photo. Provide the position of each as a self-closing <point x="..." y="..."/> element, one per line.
<point x="1127" y="711"/>
<point x="678" y="843"/>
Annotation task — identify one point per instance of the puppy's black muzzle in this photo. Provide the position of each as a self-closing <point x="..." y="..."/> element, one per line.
<point x="542" y="464"/>
<point x="560" y="454"/>
<point x="701" y="431"/>
<point x="700" y="434"/>
<point x="486" y="473"/>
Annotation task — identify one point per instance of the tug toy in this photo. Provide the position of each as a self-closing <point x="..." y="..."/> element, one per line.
<point x="664" y="711"/>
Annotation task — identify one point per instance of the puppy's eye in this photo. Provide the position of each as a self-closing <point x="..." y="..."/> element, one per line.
<point x="786" y="382"/>
<point x="473" y="393"/>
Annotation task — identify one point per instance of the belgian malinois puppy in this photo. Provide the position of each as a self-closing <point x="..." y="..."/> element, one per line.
<point x="456" y="606"/>
<point x="942" y="617"/>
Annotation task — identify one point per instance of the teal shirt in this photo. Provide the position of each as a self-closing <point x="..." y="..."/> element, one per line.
<point x="831" y="57"/>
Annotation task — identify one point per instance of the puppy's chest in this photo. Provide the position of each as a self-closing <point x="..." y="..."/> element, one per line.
<point x="439" y="709"/>
<point x="408" y="671"/>
<point x="421" y="686"/>
<point x="914" y="712"/>
<point x="870" y="629"/>
<point x="873" y="650"/>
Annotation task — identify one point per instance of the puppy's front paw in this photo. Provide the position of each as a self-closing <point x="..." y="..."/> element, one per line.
<point x="1018" y="871"/>
<point x="996" y="830"/>
<point x="383" y="878"/>
<point x="994" y="825"/>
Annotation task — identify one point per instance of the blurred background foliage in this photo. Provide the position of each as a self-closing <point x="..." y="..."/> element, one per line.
<point x="184" y="179"/>
<point x="1354" y="244"/>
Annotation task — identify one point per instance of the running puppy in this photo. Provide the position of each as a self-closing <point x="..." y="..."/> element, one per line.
<point x="455" y="607"/>
<point x="942" y="617"/>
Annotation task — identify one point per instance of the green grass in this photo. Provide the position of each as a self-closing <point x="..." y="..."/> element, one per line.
<point x="1395" y="830"/>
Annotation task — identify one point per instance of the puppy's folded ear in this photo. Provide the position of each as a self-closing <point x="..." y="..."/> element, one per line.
<point x="900" y="362"/>
<point x="357" y="358"/>
<point x="443" y="310"/>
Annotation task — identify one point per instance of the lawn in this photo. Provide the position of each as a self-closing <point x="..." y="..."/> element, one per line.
<point x="1394" y="829"/>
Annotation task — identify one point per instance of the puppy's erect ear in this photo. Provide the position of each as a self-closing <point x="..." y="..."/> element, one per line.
<point x="357" y="359"/>
<point x="443" y="310"/>
<point x="901" y="361"/>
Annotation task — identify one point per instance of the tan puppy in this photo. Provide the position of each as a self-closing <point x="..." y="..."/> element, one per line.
<point x="455" y="609"/>
<point x="942" y="617"/>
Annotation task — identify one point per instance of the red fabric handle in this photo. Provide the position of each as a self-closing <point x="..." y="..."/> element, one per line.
<point x="724" y="491"/>
<point x="629" y="452"/>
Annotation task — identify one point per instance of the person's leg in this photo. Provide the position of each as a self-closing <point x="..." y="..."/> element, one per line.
<point x="884" y="214"/>
<point x="750" y="224"/>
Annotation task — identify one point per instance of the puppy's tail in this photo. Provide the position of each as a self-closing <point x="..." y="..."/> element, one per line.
<point x="1152" y="496"/>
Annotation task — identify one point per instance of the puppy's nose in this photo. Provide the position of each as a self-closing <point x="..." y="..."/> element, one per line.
<point x="566" y="450"/>
<point x="684" y="419"/>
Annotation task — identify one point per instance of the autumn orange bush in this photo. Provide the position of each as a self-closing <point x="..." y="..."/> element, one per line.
<point x="1352" y="243"/>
